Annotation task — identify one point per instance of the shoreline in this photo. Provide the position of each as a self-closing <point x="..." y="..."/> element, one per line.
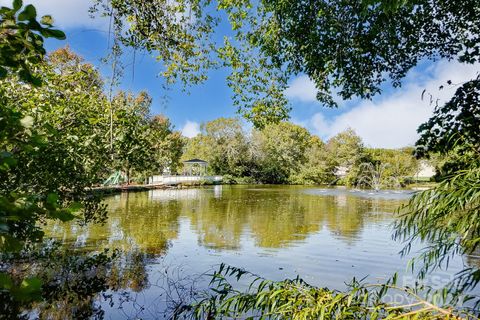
<point x="133" y="188"/>
<point x="146" y="187"/>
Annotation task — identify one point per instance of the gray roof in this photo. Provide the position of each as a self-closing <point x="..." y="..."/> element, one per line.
<point x="193" y="161"/>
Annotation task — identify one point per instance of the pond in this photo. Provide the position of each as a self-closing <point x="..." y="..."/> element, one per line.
<point x="327" y="236"/>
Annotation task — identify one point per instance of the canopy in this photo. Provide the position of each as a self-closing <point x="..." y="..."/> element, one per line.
<point x="195" y="161"/>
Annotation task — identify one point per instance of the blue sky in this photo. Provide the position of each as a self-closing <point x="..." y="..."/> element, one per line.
<point x="390" y="120"/>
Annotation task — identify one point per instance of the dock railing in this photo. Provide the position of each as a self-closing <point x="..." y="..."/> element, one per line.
<point x="182" y="179"/>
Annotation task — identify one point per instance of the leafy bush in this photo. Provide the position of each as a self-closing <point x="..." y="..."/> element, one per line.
<point x="245" y="180"/>
<point x="447" y="218"/>
<point x="229" y="179"/>
<point x="296" y="299"/>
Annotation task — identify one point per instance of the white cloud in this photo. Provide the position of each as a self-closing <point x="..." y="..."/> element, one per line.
<point x="391" y="121"/>
<point x="302" y="89"/>
<point x="66" y="13"/>
<point x="321" y="125"/>
<point x="191" y="129"/>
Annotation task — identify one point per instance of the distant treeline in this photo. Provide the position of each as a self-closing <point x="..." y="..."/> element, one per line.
<point x="286" y="153"/>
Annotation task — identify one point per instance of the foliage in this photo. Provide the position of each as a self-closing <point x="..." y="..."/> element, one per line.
<point x="347" y="48"/>
<point x="178" y="33"/>
<point x="21" y="41"/>
<point x="131" y="144"/>
<point x="167" y="146"/>
<point x="453" y="125"/>
<point x="280" y="149"/>
<point x="287" y="153"/>
<point x="61" y="152"/>
<point x="257" y="85"/>
<point x="142" y="144"/>
<point x="223" y="143"/>
<point x="401" y="163"/>
<point x="346" y="148"/>
<point x="53" y="147"/>
<point x="352" y="47"/>
<point x="457" y="159"/>
<point x="446" y="219"/>
<point x="318" y="167"/>
<point x="296" y="299"/>
<point x="43" y="168"/>
<point x="68" y="284"/>
<point x="345" y="154"/>
<point x="30" y="187"/>
<point x="279" y="153"/>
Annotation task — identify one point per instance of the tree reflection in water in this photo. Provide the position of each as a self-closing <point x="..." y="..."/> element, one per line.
<point x="277" y="218"/>
<point x="73" y="281"/>
<point x="274" y="216"/>
<point x="141" y="227"/>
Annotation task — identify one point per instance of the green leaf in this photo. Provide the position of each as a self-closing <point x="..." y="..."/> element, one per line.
<point x="53" y="33"/>
<point x="30" y="289"/>
<point x="62" y="215"/>
<point x="36" y="81"/>
<point x="31" y="284"/>
<point x="52" y="199"/>
<point x="3" y="72"/>
<point x="5" y="281"/>
<point x="7" y="161"/>
<point x="17" y="4"/>
<point x="75" y="206"/>
<point x="9" y="244"/>
<point x="28" y="13"/>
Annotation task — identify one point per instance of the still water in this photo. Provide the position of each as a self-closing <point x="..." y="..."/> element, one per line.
<point x="327" y="236"/>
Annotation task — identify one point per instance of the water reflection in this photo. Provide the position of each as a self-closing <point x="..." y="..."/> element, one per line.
<point x="74" y="283"/>
<point x="135" y="223"/>
<point x="327" y="236"/>
<point x="279" y="217"/>
<point x="274" y="217"/>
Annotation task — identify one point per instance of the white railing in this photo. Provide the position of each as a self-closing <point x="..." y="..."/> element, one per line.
<point x="172" y="180"/>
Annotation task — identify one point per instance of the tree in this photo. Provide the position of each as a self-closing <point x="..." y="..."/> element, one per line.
<point x="348" y="47"/>
<point x="296" y="299"/>
<point x="41" y="174"/>
<point x="345" y="153"/>
<point x="166" y="146"/>
<point x="447" y="215"/>
<point x="346" y="148"/>
<point x="355" y="46"/>
<point x="318" y="168"/>
<point x="54" y="142"/>
<point x="142" y="144"/>
<point x="21" y="41"/>
<point x="131" y="133"/>
<point x="280" y="149"/>
<point x="224" y="144"/>
<point x="68" y="116"/>
<point x="454" y="123"/>
<point x="178" y="33"/>
<point x="452" y="131"/>
<point x="398" y="165"/>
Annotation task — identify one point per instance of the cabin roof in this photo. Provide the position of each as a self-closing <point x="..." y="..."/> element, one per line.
<point x="193" y="161"/>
